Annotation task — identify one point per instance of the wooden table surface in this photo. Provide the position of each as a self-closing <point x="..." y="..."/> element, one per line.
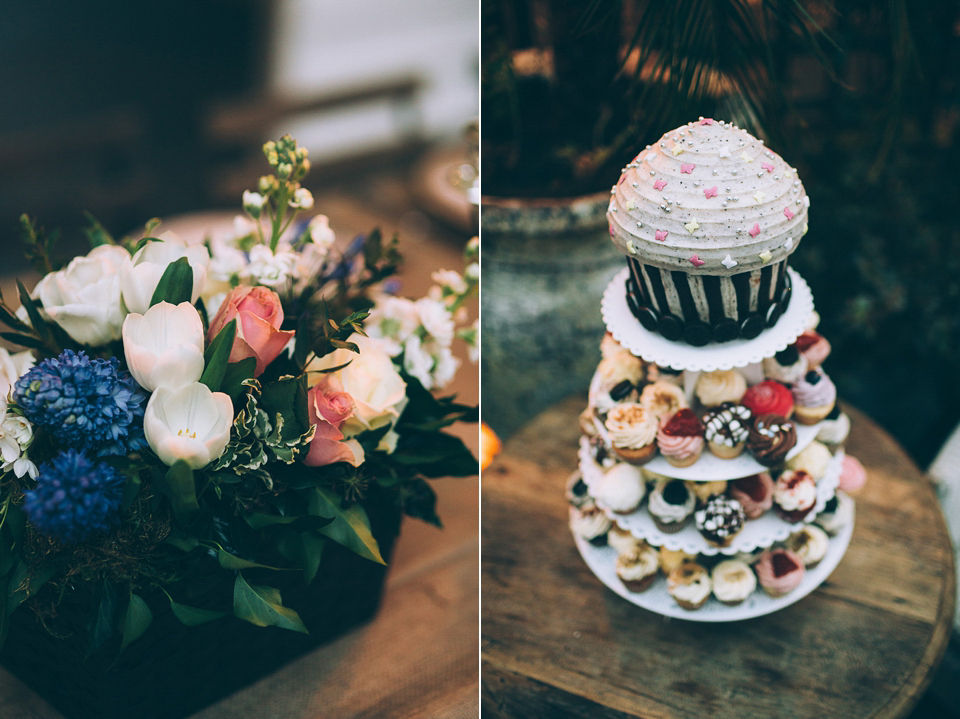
<point x="556" y="642"/>
<point x="418" y="657"/>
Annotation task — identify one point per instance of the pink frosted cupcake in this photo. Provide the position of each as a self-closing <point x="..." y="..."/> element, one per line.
<point x="794" y="495"/>
<point x="852" y="474"/>
<point x="814" y="347"/>
<point x="779" y="571"/>
<point x="680" y="438"/>
<point x="755" y="493"/>
<point x="814" y="396"/>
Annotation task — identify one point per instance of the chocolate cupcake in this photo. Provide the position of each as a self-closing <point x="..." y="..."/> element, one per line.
<point x="770" y="439"/>
<point x="726" y="429"/>
<point x="720" y="520"/>
<point x="786" y="366"/>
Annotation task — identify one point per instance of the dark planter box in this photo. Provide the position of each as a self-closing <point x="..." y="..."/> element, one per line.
<point x="173" y="671"/>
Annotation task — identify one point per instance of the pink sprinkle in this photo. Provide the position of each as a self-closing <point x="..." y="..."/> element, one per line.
<point x="622" y="178"/>
<point x="710" y="192"/>
<point x="766" y="166"/>
<point x="786" y="211"/>
<point x="706" y="121"/>
<point x="660" y="235"/>
<point x="611" y="232"/>
<point x="687" y="168"/>
<point x="659" y="184"/>
<point x="755" y="230"/>
<point x="696" y="261"/>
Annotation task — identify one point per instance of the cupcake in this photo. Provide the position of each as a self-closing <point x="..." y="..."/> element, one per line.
<point x="852" y="474"/>
<point x="633" y="432"/>
<point x="663" y="399"/>
<point x="779" y="571"/>
<point x="814" y="396"/>
<point x="576" y="492"/>
<point x="755" y="493"/>
<point x="689" y="585"/>
<point x="657" y="373"/>
<point x="715" y="388"/>
<point x="786" y="366"/>
<point x="810" y="544"/>
<point x="794" y="495"/>
<point x="733" y="581"/>
<point x="703" y="491"/>
<point x="834" y="428"/>
<point x="726" y="429"/>
<point x="622" y="540"/>
<point x="720" y="520"/>
<point x="670" y="505"/>
<point x="750" y="557"/>
<point x="769" y="397"/>
<point x="680" y="438"/>
<point x="591" y="523"/>
<point x="670" y="559"/>
<point x="837" y="514"/>
<point x="814" y="347"/>
<point x="770" y="439"/>
<point x="707" y="218"/>
<point x="638" y="569"/>
<point x="620" y="489"/>
<point x="812" y="459"/>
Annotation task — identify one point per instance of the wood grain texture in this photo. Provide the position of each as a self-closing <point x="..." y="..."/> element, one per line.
<point x="862" y="645"/>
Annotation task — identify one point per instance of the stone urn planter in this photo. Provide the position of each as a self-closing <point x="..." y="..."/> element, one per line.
<point x="545" y="265"/>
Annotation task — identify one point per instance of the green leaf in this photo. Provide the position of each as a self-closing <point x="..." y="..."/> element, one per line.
<point x="216" y="357"/>
<point x="194" y="616"/>
<point x="420" y="501"/>
<point x="95" y="233"/>
<point x="24" y="340"/>
<point x="180" y="540"/>
<point x="130" y="491"/>
<point x="305" y="549"/>
<point x="36" y="320"/>
<point x="102" y="623"/>
<point x="230" y="561"/>
<point x="288" y="398"/>
<point x="263" y="607"/>
<point x="258" y="520"/>
<point x="350" y="527"/>
<point x="176" y="284"/>
<point x="235" y="375"/>
<point x="178" y="485"/>
<point x="136" y="620"/>
<point x="24" y="583"/>
<point x="435" y="454"/>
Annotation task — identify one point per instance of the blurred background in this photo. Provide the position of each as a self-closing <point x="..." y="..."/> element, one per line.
<point x="137" y="110"/>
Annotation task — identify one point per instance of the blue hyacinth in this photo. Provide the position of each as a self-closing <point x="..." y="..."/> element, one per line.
<point x="84" y="403"/>
<point x="74" y="498"/>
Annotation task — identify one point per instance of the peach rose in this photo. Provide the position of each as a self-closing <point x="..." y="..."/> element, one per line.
<point x="329" y="407"/>
<point x="259" y="315"/>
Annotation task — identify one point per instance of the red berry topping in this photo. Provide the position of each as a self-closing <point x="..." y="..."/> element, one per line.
<point x="782" y="564"/>
<point x="683" y="423"/>
<point x="807" y="340"/>
<point x="769" y="397"/>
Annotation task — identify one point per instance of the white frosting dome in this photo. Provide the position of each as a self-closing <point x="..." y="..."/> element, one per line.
<point x="716" y="191"/>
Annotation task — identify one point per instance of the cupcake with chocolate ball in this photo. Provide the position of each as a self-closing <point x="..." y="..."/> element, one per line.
<point x="615" y="378"/>
<point x="720" y="386"/>
<point x="591" y="523"/>
<point x="703" y="491"/>
<point x="620" y="489"/>
<point x="689" y="585"/>
<point x="680" y="438"/>
<point x="768" y="397"/>
<point x="814" y="347"/>
<point x="771" y="438"/>
<point x="794" y="495"/>
<point x="810" y="544"/>
<point x="577" y="492"/>
<point x="837" y="514"/>
<point x="657" y="373"/>
<point x="755" y="493"/>
<point x="733" y="581"/>
<point x="814" y="396"/>
<point x="663" y="399"/>
<point x="786" y="366"/>
<point x="779" y="572"/>
<point x="633" y="432"/>
<point x="638" y="569"/>
<point x="726" y="429"/>
<point x="720" y="520"/>
<point x="670" y="505"/>
<point x="834" y="428"/>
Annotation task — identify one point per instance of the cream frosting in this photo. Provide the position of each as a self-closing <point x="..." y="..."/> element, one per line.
<point x="840" y="517"/>
<point x="622" y="540"/>
<point x="711" y="189"/>
<point x="733" y="581"/>
<point x="590" y="522"/>
<point x="834" y="431"/>
<point x="639" y="564"/>
<point x="677" y="446"/>
<point x="810" y="544"/>
<point x="814" y="394"/>
<point x="689" y="582"/>
<point x="621" y="488"/>
<point x="631" y="426"/>
<point x="788" y="374"/>
<point x="792" y="495"/>
<point x="704" y="490"/>
<point x="663" y="398"/>
<point x="670" y="513"/>
<point x="725" y="385"/>
<point x="609" y="373"/>
<point x="670" y="559"/>
<point x="812" y="459"/>
<point x="753" y="506"/>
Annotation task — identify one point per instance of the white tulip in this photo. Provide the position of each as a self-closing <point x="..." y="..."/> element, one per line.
<point x="12" y="368"/>
<point x="84" y="298"/>
<point x="140" y="275"/>
<point x="164" y="346"/>
<point x="189" y="423"/>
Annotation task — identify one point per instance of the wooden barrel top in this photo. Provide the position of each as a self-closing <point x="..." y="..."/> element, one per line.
<point x="556" y="642"/>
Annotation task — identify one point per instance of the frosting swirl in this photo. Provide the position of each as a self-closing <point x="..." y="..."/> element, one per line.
<point x="795" y="491"/>
<point x="631" y="426"/>
<point x="814" y="389"/>
<point x="810" y="544"/>
<point x="769" y="397"/>
<point x="779" y="571"/>
<point x="638" y="564"/>
<point x="689" y="582"/>
<point x="834" y="430"/>
<point x="715" y="388"/>
<point x="852" y="474"/>
<point x="621" y="488"/>
<point x="812" y="459"/>
<point x="770" y="438"/>
<point x="680" y="436"/>
<point x="670" y="512"/>
<point x="755" y="493"/>
<point x="837" y="514"/>
<point x="663" y="399"/>
<point x="814" y="347"/>
<point x="590" y="522"/>
<point x="733" y="581"/>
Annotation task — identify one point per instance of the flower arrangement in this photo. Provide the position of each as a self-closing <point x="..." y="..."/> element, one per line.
<point x="183" y="410"/>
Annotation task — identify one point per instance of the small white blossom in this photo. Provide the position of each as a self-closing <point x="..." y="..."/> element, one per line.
<point x="269" y="269"/>
<point x="445" y="368"/>
<point x="436" y="320"/>
<point x="472" y="271"/>
<point x="253" y="202"/>
<point x="302" y="199"/>
<point x="320" y="233"/>
<point x="417" y="361"/>
<point x="450" y="280"/>
<point x="16" y="434"/>
<point x="393" y="320"/>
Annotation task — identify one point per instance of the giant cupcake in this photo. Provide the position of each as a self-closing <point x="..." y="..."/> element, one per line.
<point x="708" y="217"/>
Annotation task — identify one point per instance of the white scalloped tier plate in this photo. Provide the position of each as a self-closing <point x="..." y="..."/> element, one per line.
<point x="652" y="347"/>
<point x="602" y="562"/>
<point x="756" y="533"/>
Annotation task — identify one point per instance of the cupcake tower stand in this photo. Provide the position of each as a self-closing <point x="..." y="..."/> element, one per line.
<point x="757" y="534"/>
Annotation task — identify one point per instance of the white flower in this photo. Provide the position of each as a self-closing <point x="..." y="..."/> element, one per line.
<point x="189" y="423"/>
<point x="12" y="368"/>
<point x="302" y="199"/>
<point x="226" y="265"/>
<point x="16" y="434"/>
<point x="140" y="275"/>
<point x="472" y="271"/>
<point x="436" y="320"/>
<point x="84" y="298"/>
<point x="164" y="346"/>
<point x="320" y="233"/>
<point x="253" y="202"/>
<point x="392" y="319"/>
<point x="472" y="336"/>
<point x="377" y="389"/>
<point x="445" y="369"/>
<point x="450" y="280"/>
<point x="269" y="269"/>
<point x="417" y="361"/>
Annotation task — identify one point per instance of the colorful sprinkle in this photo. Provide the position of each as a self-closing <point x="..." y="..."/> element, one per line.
<point x="692" y="226"/>
<point x="729" y="262"/>
<point x="765" y="256"/>
<point x="611" y="231"/>
<point x="659" y="184"/>
<point x="787" y="213"/>
<point x="677" y="149"/>
<point x="724" y="153"/>
<point x="745" y="157"/>
<point x="710" y="192"/>
<point x="755" y="230"/>
<point x="631" y="248"/>
<point x="660" y="235"/>
<point x="631" y="204"/>
<point x="788" y="244"/>
<point x="758" y="196"/>
<point x="687" y="168"/>
<point x="696" y="261"/>
<point x="766" y="166"/>
<point x="706" y="121"/>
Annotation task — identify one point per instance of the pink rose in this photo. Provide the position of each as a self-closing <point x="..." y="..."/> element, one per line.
<point x="329" y="407"/>
<point x="259" y="315"/>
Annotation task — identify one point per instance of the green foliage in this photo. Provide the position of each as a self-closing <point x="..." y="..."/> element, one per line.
<point x="96" y="233"/>
<point x="217" y="355"/>
<point x="178" y="484"/>
<point x="235" y="375"/>
<point x="136" y="620"/>
<point x="102" y="623"/>
<point x="39" y="244"/>
<point x="176" y="283"/>
<point x="350" y="526"/>
<point x="192" y="616"/>
<point x="263" y="606"/>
